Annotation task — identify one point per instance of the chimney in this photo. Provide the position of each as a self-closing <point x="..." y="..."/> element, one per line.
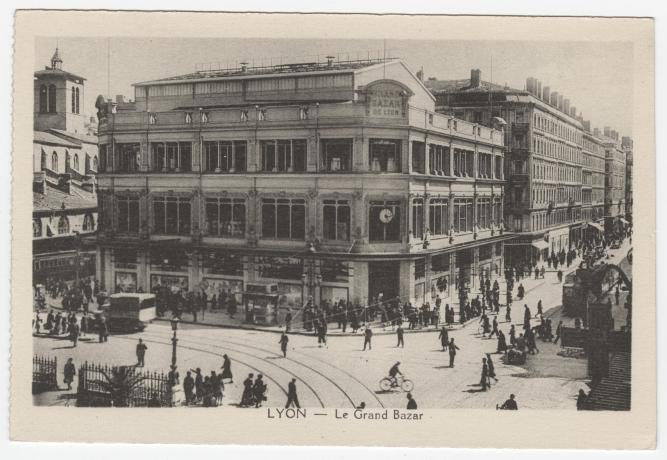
<point x="607" y="131"/>
<point x="538" y="89"/>
<point x="566" y="106"/>
<point x="573" y="112"/>
<point x="554" y="99"/>
<point x="560" y="102"/>
<point x="244" y="67"/>
<point x="546" y="94"/>
<point x="587" y="125"/>
<point x="530" y="85"/>
<point x="39" y="182"/>
<point x="330" y="61"/>
<point x="596" y="132"/>
<point x="475" y="78"/>
<point x="120" y="99"/>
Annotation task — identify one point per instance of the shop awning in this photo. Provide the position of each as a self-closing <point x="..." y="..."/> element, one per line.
<point x="596" y="226"/>
<point x="624" y="221"/>
<point x="540" y="244"/>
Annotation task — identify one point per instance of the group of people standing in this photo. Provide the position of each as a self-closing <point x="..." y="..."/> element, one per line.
<point x="207" y="389"/>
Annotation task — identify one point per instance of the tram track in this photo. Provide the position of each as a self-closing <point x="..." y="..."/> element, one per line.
<point x="347" y="396"/>
<point x="264" y="360"/>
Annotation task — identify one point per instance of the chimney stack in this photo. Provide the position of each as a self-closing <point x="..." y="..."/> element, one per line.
<point x="530" y="85"/>
<point x="560" y="102"/>
<point x="330" y="61"/>
<point x="554" y="99"/>
<point x="587" y="125"/>
<point x="566" y="106"/>
<point x="538" y="90"/>
<point x="475" y="78"/>
<point x="546" y="94"/>
<point x="596" y="132"/>
<point x="607" y="131"/>
<point x="573" y="112"/>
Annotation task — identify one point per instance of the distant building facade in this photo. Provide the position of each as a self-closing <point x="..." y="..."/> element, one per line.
<point x="544" y="160"/>
<point x="615" y="171"/>
<point x="628" y="146"/>
<point x="65" y="162"/>
<point x="336" y="181"/>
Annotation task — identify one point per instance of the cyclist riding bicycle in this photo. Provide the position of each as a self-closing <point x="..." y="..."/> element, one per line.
<point x="393" y="372"/>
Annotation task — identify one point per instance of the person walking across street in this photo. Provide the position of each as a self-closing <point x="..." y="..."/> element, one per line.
<point x="283" y="344"/>
<point x="399" y="335"/>
<point x="526" y="317"/>
<point x="484" y="380"/>
<point x="141" y="353"/>
<point x="368" y="335"/>
<point x="70" y="372"/>
<point x="508" y="314"/>
<point x="559" y="331"/>
<point x="74" y="332"/>
<point x="539" y="309"/>
<point x="444" y="338"/>
<point x="292" y="398"/>
<point x="492" y="370"/>
<point x="226" y="369"/>
<point x="452" y="352"/>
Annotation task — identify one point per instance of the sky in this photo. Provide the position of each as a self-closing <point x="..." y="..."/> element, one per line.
<point x="597" y="77"/>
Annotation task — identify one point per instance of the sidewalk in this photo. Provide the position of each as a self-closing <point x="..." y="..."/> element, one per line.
<point x="221" y="319"/>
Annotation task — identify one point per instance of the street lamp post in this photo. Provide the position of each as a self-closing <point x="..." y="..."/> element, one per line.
<point x="173" y="374"/>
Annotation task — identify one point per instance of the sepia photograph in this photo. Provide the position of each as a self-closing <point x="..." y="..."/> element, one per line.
<point x="359" y="229"/>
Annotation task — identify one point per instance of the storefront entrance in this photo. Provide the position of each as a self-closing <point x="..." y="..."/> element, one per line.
<point x="383" y="278"/>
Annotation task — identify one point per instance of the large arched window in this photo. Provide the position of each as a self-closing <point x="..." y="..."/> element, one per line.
<point x="52" y="98"/>
<point x="36" y="228"/>
<point x="54" y="161"/>
<point x="63" y="225"/>
<point x="43" y="99"/>
<point x="73" y="99"/>
<point x="76" y="162"/>
<point x="77" y="100"/>
<point x="42" y="161"/>
<point x="88" y="223"/>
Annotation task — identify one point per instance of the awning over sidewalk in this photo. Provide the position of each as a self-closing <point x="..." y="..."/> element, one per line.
<point x="540" y="244"/>
<point x="596" y="226"/>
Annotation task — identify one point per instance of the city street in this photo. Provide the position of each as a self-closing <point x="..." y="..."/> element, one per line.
<point x="342" y="375"/>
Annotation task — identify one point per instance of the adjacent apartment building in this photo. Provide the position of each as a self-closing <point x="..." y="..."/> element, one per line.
<point x="546" y="161"/>
<point x="64" y="167"/>
<point x="333" y="180"/>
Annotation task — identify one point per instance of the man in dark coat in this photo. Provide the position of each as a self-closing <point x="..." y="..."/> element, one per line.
<point x="510" y="404"/>
<point x="70" y="372"/>
<point x="368" y="334"/>
<point x="526" y="317"/>
<point x="283" y="344"/>
<point x="452" y="352"/>
<point x="292" y="397"/>
<point x="141" y="353"/>
<point x="412" y="404"/>
<point x="399" y="335"/>
<point x="188" y="388"/>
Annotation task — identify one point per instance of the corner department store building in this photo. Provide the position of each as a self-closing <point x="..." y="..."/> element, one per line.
<point x="335" y="180"/>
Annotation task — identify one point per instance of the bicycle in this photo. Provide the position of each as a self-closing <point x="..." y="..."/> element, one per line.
<point x="387" y="383"/>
